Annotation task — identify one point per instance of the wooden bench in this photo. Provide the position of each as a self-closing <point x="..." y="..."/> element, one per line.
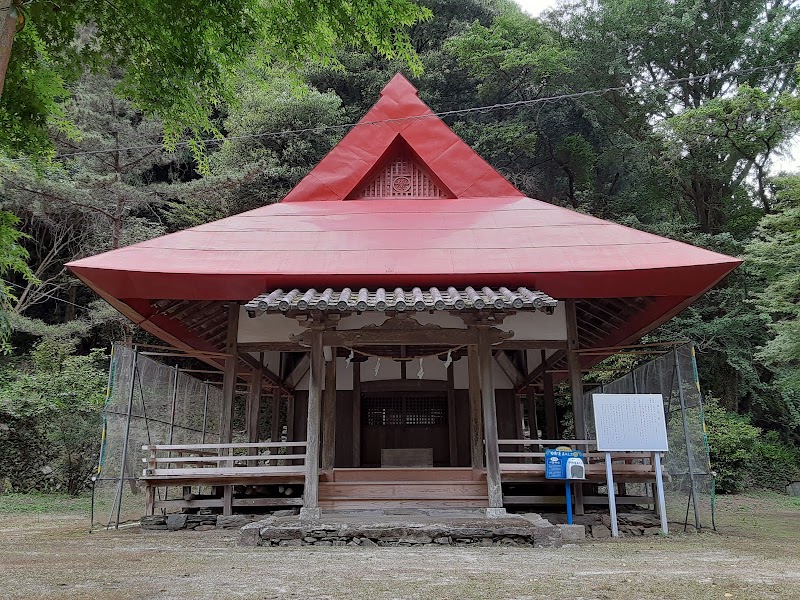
<point x="629" y="467"/>
<point x="222" y="465"/>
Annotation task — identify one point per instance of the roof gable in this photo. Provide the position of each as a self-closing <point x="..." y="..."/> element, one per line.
<point x="401" y="124"/>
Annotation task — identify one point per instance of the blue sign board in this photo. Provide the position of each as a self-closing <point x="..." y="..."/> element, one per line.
<point x="556" y="462"/>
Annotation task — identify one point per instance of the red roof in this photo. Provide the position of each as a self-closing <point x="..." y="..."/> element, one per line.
<point x="472" y="228"/>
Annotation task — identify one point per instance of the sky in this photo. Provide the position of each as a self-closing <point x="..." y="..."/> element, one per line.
<point x="790" y="161"/>
<point x="534" y="7"/>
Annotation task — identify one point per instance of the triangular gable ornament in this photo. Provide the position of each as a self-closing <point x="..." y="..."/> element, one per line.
<point x="400" y="149"/>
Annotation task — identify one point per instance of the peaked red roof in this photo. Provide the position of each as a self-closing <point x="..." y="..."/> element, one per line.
<point x="482" y="232"/>
<point x="400" y="116"/>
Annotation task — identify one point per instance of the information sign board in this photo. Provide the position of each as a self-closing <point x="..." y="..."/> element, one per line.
<point x="630" y="422"/>
<point x="556" y="462"/>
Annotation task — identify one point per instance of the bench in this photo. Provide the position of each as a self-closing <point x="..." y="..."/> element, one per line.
<point x="222" y="465"/>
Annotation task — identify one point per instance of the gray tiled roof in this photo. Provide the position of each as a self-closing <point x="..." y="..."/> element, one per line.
<point x="415" y="299"/>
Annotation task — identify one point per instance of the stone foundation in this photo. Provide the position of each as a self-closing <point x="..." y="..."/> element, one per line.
<point x="202" y="522"/>
<point x="532" y="531"/>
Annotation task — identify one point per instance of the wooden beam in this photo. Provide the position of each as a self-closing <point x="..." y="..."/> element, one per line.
<point x="290" y="417"/>
<point x="576" y="387"/>
<point x="423" y="336"/>
<point x="311" y="488"/>
<point x="299" y="371"/>
<point x="533" y="421"/>
<point x="275" y="420"/>
<point x="451" y="416"/>
<point x="489" y="419"/>
<point x="531" y="345"/>
<point x="271" y="347"/>
<point x="329" y="415"/>
<point x="509" y="368"/>
<point x="229" y="377"/>
<point x="475" y="420"/>
<point x="550" y="414"/>
<point x="356" y="366"/>
<point x="253" y="408"/>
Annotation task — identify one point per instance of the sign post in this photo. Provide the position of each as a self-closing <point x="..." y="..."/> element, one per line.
<point x="631" y="423"/>
<point x="566" y="465"/>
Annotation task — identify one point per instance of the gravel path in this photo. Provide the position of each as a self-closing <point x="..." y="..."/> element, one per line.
<point x="756" y="556"/>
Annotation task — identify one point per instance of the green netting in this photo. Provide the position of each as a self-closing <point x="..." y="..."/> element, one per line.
<point x="689" y="488"/>
<point x="147" y="403"/>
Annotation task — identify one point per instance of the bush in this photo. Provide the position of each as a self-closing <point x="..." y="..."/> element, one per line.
<point x="51" y="411"/>
<point x="744" y="457"/>
<point x="731" y="440"/>
<point x="774" y="463"/>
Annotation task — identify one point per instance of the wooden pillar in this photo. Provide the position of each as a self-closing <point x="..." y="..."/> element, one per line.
<point x="275" y="420"/>
<point x="451" y="416"/>
<point x="550" y="414"/>
<point x="475" y="420"/>
<point x="290" y="418"/>
<point x="576" y="388"/>
<point x="356" y="413"/>
<point x="329" y="415"/>
<point x="533" y="421"/>
<point x="489" y="422"/>
<point x="254" y="402"/>
<point x="310" y="496"/>
<point x="229" y="375"/>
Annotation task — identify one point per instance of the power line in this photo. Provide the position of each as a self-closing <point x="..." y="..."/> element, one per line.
<point x="461" y="111"/>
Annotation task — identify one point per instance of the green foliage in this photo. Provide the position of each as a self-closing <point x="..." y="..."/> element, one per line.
<point x="745" y="457"/>
<point x="773" y="463"/>
<point x="179" y="57"/>
<point x="13" y="257"/>
<point x="53" y="405"/>
<point x="732" y="440"/>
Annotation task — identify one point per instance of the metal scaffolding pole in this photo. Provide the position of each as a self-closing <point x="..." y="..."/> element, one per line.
<point x="127" y="435"/>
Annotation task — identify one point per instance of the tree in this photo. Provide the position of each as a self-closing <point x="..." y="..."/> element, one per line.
<point x="86" y="203"/>
<point x="178" y="58"/>
<point x="13" y="258"/>
<point x="775" y="254"/>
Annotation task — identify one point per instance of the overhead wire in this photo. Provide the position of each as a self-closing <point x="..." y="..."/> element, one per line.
<point x="447" y="113"/>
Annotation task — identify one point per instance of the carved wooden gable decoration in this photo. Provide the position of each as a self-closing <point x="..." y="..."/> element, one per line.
<point x="400" y="177"/>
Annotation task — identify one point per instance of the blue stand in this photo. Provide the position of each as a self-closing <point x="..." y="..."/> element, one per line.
<point x="569" y="502"/>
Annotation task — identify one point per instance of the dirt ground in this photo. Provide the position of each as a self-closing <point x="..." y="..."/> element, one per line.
<point x="48" y="553"/>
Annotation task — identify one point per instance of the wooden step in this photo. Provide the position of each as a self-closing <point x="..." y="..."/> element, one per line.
<point x="402" y="474"/>
<point x="351" y="504"/>
<point x="410" y="490"/>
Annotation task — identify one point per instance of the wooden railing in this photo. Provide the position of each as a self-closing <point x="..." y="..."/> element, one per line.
<point x="198" y="460"/>
<point x="536" y="457"/>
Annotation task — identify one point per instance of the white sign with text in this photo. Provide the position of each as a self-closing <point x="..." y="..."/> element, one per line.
<point x="630" y="422"/>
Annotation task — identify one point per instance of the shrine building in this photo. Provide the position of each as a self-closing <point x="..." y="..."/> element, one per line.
<point x="409" y="311"/>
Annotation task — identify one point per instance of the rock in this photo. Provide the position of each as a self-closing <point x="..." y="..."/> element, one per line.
<point x="572" y="533"/>
<point x="367" y="543"/>
<point x="339" y="543"/>
<point x="652" y="530"/>
<point x="416" y="539"/>
<point x="205" y="527"/>
<point x="292" y="543"/>
<point x="233" y="521"/>
<point x="323" y="543"/>
<point x="605" y="520"/>
<point x="153" y="523"/>
<point x="284" y="513"/>
<point x="250" y="535"/>
<point x="309" y="539"/>
<point x="175" y="522"/>
<point x="46" y="470"/>
<point x="444" y="540"/>
<point x="600" y="532"/>
<point x="485" y="542"/>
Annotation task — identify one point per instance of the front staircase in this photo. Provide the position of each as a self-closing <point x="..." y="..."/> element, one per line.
<point x="370" y="489"/>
